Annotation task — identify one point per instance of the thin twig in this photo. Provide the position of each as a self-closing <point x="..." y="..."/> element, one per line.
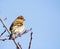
<point x="4" y="25"/>
<point x="2" y="33"/>
<point x="5" y="18"/>
<point x="26" y="31"/>
<point x="3" y="39"/>
<point x="18" y="46"/>
<point x="30" y="40"/>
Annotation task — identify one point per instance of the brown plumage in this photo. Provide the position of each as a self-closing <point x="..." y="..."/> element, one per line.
<point x="17" y="26"/>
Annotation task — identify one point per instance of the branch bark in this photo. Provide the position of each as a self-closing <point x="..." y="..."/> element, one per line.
<point x="3" y="32"/>
<point x="30" y="40"/>
<point x="4" y="25"/>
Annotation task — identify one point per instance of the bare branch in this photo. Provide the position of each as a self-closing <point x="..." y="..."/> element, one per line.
<point x="3" y="39"/>
<point x="30" y="40"/>
<point x="4" y="25"/>
<point x="3" y="33"/>
<point x="26" y="31"/>
<point x="17" y="44"/>
<point x="5" y="18"/>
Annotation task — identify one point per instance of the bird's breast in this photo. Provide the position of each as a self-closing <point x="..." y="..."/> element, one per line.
<point x="18" y="29"/>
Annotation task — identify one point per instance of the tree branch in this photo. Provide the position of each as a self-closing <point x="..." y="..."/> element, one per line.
<point x="2" y="33"/>
<point x="30" y="40"/>
<point x="13" y="38"/>
<point x="5" y="18"/>
<point x="3" y="39"/>
<point x="17" y="44"/>
<point x="4" y="25"/>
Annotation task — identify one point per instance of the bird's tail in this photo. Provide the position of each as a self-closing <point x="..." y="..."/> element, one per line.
<point x="10" y="36"/>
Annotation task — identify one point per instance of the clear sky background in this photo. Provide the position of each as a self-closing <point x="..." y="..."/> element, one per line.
<point x="42" y="15"/>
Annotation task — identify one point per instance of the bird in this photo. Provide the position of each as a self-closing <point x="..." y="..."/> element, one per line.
<point x="17" y="26"/>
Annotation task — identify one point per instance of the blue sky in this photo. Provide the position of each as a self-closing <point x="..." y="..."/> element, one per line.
<point x="42" y="15"/>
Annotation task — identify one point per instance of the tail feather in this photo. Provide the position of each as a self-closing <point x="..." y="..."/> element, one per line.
<point x="10" y="36"/>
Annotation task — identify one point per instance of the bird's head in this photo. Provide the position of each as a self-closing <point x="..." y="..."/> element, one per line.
<point x="21" y="17"/>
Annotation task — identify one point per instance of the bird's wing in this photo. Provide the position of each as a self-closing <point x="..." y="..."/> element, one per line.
<point x="11" y="26"/>
<point x="16" y="24"/>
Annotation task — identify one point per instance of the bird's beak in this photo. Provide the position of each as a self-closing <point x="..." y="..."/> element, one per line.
<point x="24" y="19"/>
